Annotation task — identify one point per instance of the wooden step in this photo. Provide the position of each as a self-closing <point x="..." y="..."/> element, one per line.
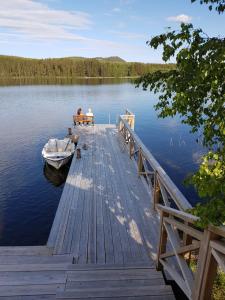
<point x="31" y="297"/>
<point x="39" y="290"/>
<point x="34" y="259"/>
<point x="113" y="283"/>
<point x="32" y="278"/>
<point x="25" y="250"/>
<point x="84" y="267"/>
<point x="120" y="274"/>
<point x="34" y="267"/>
<point x="149" y="297"/>
<point x="117" y="282"/>
<point x="130" y="291"/>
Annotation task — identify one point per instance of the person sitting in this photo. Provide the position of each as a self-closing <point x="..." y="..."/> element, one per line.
<point x="90" y="116"/>
<point x="79" y="117"/>
<point x="79" y="111"/>
<point x="89" y="113"/>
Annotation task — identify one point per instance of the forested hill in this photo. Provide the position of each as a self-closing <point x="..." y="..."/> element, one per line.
<point x="71" y="67"/>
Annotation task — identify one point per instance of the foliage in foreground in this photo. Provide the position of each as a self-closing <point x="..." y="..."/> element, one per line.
<point x="196" y="91"/>
<point x="218" y="290"/>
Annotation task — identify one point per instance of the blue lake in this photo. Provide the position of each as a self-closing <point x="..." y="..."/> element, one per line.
<point x="31" y="114"/>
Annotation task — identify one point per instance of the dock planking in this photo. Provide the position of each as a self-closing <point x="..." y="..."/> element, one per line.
<point x="105" y="214"/>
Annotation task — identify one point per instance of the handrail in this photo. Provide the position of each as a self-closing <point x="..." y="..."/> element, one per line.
<point x="128" y="112"/>
<point x="180" y="241"/>
<point x="180" y="200"/>
<point x="179" y="214"/>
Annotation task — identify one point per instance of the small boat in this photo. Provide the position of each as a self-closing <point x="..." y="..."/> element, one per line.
<point x="57" y="153"/>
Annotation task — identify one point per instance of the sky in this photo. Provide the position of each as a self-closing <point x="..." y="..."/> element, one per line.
<point x="93" y="28"/>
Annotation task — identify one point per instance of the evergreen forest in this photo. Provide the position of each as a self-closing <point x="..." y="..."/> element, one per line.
<point x="75" y="67"/>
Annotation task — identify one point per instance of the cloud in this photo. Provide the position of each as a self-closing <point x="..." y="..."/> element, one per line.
<point x="37" y="20"/>
<point x="182" y="18"/>
<point x="29" y="21"/>
<point x="116" y="9"/>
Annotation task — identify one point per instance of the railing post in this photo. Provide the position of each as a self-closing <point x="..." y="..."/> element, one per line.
<point x="120" y="124"/>
<point x="156" y="192"/>
<point x="131" y="142"/>
<point x="162" y="241"/>
<point x="140" y="162"/>
<point x="132" y="118"/>
<point x="187" y="240"/>
<point x="206" y="269"/>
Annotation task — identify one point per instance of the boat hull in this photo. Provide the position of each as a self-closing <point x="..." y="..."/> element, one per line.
<point x="57" y="164"/>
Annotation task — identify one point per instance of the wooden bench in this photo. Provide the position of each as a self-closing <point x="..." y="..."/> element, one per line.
<point x="83" y="119"/>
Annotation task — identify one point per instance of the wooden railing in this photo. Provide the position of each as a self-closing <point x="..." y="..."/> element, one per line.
<point x="191" y="261"/>
<point x="160" y="185"/>
<point x="129" y="117"/>
<point x="190" y="255"/>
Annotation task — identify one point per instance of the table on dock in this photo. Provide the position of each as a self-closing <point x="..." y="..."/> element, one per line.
<point x="104" y="236"/>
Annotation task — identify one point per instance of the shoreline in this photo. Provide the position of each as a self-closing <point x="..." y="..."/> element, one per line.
<point x="66" y="77"/>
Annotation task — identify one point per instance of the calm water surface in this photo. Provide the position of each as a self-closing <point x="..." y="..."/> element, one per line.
<point x="29" y="191"/>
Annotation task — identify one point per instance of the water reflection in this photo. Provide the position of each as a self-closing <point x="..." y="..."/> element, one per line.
<point x="62" y="81"/>
<point x="56" y="177"/>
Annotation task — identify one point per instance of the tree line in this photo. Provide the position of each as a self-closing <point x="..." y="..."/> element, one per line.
<point x="19" y="67"/>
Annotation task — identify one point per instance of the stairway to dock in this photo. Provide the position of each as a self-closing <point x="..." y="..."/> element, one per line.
<point x="34" y="277"/>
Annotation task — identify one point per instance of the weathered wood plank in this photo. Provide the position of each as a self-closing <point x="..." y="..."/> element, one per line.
<point x="125" y="292"/>
<point x="92" y="251"/>
<point x="34" y="259"/>
<point x="131" y="219"/>
<point x="25" y="250"/>
<point x="61" y="210"/>
<point x="149" y="297"/>
<point x="113" y="283"/>
<point x="106" y="202"/>
<point x="25" y="290"/>
<point x="111" y="207"/>
<point x="99" y="199"/>
<point x="140" y="201"/>
<point x="113" y="274"/>
<point x="143" y="265"/>
<point x="33" y="267"/>
<point x="32" y="277"/>
<point x="31" y="297"/>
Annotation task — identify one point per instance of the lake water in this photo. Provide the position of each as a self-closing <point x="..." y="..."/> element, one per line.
<point x="31" y="114"/>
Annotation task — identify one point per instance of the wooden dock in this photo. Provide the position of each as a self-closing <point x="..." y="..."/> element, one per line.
<point x="105" y="215"/>
<point x="108" y="237"/>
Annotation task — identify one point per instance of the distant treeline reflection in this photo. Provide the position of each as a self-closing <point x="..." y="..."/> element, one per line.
<point x="61" y="81"/>
<point x="18" y="70"/>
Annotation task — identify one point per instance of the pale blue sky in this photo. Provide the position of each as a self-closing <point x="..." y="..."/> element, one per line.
<point x="59" y="28"/>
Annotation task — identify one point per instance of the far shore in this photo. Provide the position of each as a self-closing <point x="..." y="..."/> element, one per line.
<point x="66" y="77"/>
